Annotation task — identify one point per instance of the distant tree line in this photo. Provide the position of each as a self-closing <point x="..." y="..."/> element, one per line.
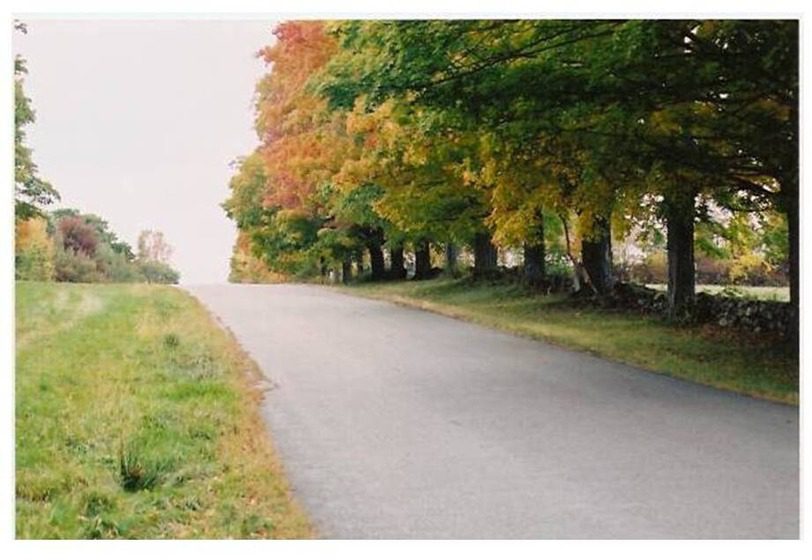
<point x="68" y="246"/>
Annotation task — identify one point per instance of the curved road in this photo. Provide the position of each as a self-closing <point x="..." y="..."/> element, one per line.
<point x="398" y="423"/>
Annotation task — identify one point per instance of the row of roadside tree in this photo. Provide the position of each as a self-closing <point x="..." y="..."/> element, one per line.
<point x="547" y="137"/>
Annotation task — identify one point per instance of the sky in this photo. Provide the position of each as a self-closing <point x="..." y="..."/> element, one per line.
<point x="138" y="122"/>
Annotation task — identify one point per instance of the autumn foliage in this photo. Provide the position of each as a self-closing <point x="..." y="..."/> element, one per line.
<point x="558" y="139"/>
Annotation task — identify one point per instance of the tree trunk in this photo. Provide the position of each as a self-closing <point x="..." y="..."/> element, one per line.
<point x="789" y="203"/>
<point x="794" y="277"/>
<point x="596" y="255"/>
<point x="534" y="253"/>
<point x="346" y="270"/>
<point x="794" y="252"/>
<point x="679" y="217"/>
<point x="397" y="268"/>
<point x="374" y="243"/>
<point x="578" y="273"/>
<point x="359" y="264"/>
<point x="451" y="259"/>
<point x="376" y="261"/>
<point x="484" y="254"/>
<point x="422" y="260"/>
<point x="534" y="268"/>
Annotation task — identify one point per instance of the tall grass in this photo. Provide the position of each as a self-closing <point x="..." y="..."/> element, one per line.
<point x="137" y="417"/>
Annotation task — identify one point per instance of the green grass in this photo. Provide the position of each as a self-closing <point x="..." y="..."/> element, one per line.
<point x="138" y="417"/>
<point x="767" y="293"/>
<point x="753" y="366"/>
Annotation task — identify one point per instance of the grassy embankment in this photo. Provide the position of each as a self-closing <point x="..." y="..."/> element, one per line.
<point x="746" y="364"/>
<point x="137" y="417"/>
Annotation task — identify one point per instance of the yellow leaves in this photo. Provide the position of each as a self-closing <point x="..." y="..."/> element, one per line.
<point x="246" y="267"/>
<point x="34" y="251"/>
<point x="32" y="234"/>
<point x="745" y="264"/>
<point x="665" y="122"/>
<point x="416" y="154"/>
<point x="470" y="177"/>
<point x="781" y="111"/>
<point x="586" y="223"/>
<point x="515" y="204"/>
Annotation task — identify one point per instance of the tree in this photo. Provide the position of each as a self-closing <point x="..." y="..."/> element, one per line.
<point x="245" y="207"/>
<point x="417" y="162"/>
<point x="152" y="247"/>
<point x="614" y="109"/>
<point x="426" y="64"/>
<point x="33" y="250"/>
<point x="299" y="219"/>
<point x="69" y="246"/>
<point x="78" y="236"/>
<point x="156" y="272"/>
<point x="31" y="192"/>
<point x="380" y="133"/>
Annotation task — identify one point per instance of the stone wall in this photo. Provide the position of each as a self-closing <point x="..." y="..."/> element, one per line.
<point x="754" y="316"/>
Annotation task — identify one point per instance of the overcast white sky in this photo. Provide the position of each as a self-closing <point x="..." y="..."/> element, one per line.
<point x="137" y="121"/>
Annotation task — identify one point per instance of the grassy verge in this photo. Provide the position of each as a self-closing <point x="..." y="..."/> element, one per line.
<point x="750" y="365"/>
<point x="137" y="417"/>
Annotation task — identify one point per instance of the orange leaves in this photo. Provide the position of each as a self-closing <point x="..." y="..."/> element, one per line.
<point x="303" y="143"/>
<point x="302" y="48"/>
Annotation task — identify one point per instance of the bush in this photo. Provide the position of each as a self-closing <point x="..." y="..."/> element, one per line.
<point x="34" y="251"/>
<point x="745" y="270"/>
<point x="653" y="269"/>
<point x="78" y="235"/>
<point x="35" y="263"/>
<point x="711" y="270"/>
<point x="115" y="266"/>
<point x="155" y="272"/>
<point x="71" y="266"/>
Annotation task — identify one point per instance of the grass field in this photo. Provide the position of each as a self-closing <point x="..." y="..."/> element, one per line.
<point x="137" y="417"/>
<point x="748" y="365"/>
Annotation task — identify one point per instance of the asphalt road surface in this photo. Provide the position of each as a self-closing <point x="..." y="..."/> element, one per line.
<point x="398" y="423"/>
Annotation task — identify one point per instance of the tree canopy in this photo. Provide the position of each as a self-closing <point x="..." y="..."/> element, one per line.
<point x="31" y="192"/>
<point x="472" y="131"/>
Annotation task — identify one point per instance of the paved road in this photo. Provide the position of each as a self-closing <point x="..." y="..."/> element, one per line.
<point x="397" y="423"/>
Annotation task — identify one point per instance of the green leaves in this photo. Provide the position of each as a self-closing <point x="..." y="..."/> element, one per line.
<point x="442" y="129"/>
<point x="30" y="191"/>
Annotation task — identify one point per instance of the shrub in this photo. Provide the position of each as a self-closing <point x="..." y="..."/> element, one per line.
<point x="71" y="266"/>
<point x="115" y="266"/>
<point x="34" y="251"/>
<point x="77" y="235"/>
<point x="652" y="270"/>
<point x="710" y="270"/>
<point x="34" y="264"/>
<point x="155" y="272"/>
